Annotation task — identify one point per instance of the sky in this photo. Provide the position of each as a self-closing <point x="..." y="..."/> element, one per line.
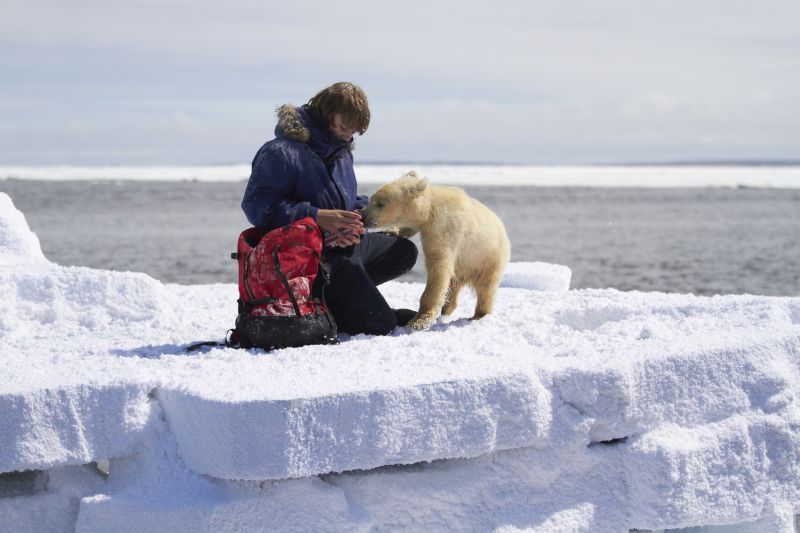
<point x="196" y="82"/>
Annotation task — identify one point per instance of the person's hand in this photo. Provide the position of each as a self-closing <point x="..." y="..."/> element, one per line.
<point x="346" y="226"/>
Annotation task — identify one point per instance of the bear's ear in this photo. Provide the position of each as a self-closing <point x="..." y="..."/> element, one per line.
<point x="411" y="174"/>
<point x="420" y="186"/>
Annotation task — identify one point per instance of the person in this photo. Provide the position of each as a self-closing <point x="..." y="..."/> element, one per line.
<point x="307" y="171"/>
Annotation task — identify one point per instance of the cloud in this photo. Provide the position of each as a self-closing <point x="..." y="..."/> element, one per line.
<point x="618" y="80"/>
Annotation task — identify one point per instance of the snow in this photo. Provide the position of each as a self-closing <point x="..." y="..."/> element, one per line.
<point x="356" y="429"/>
<point x="536" y="175"/>
<point x="590" y="410"/>
<point x="536" y="276"/>
<point x="697" y="466"/>
<point x="18" y="245"/>
<point x="54" y="506"/>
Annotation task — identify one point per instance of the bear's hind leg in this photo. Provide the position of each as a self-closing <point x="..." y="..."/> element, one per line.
<point x="486" y="289"/>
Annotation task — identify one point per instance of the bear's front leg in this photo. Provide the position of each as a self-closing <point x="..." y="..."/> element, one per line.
<point x="407" y="233"/>
<point x="404" y="232"/>
<point x="440" y="270"/>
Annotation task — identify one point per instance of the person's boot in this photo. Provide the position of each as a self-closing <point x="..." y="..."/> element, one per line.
<point x="404" y="316"/>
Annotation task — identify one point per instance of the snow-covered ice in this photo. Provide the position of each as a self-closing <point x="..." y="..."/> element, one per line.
<point x="516" y="175"/>
<point x="590" y="410"/>
<point x="536" y="276"/>
<point x="387" y="424"/>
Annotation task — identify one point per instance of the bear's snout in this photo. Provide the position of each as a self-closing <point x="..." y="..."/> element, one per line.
<point x="367" y="220"/>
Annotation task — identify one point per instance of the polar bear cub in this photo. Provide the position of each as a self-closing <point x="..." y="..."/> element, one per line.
<point x="464" y="242"/>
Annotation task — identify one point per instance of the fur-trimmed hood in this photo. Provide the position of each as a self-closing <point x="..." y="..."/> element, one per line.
<point x="291" y="123"/>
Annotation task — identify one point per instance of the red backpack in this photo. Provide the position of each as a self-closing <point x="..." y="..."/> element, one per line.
<point x="281" y="288"/>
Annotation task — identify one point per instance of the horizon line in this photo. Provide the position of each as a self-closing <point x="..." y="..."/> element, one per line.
<point x="643" y="163"/>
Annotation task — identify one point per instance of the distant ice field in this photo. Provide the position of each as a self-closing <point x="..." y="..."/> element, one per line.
<point x="770" y="176"/>
<point x="701" y="240"/>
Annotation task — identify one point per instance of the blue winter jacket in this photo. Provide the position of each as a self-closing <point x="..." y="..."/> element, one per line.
<point x="305" y="168"/>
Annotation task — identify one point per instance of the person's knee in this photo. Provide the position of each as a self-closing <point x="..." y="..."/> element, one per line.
<point x="407" y="254"/>
<point x="345" y="273"/>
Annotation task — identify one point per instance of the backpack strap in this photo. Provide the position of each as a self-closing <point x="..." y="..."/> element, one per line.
<point x="324" y="274"/>
<point x="247" y="307"/>
<point x="198" y="345"/>
<point x="285" y="281"/>
<point x="232" y="339"/>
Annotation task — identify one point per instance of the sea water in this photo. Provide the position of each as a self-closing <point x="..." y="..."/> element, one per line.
<point x="688" y="240"/>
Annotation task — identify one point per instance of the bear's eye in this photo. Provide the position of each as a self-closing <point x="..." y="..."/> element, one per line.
<point x="379" y="205"/>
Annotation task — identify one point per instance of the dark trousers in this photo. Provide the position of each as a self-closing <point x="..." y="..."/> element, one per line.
<point x="353" y="296"/>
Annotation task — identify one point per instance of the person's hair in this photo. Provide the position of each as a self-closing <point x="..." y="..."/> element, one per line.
<point x="345" y="98"/>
